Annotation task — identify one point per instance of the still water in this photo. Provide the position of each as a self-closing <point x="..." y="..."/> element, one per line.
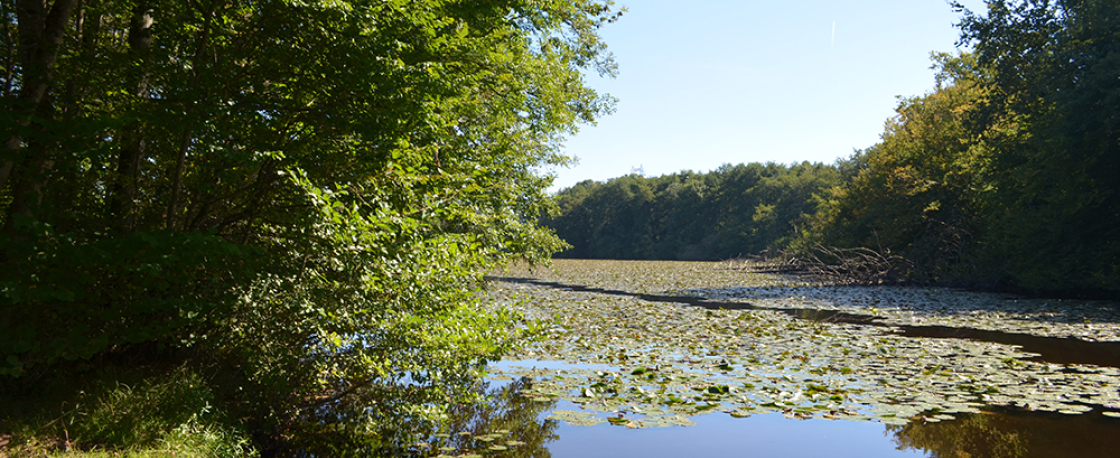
<point x="723" y="436"/>
<point x="758" y="366"/>
<point x="999" y="432"/>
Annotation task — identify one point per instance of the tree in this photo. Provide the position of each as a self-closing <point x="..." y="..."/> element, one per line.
<point x="918" y="192"/>
<point x="298" y="193"/>
<point x="728" y="212"/>
<point x="1052" y="125"/>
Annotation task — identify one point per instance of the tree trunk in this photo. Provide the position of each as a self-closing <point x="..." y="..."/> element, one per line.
<point x="25" y="163"/>
<point x="177" y="180"/>
<point x="126" y="185"/>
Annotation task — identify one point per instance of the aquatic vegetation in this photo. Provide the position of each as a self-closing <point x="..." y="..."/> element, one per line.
<point x="637" y="363"/>
<point x="1093" y="321"/>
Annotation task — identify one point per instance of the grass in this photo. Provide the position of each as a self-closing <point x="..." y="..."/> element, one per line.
<point x="118" y="413"/>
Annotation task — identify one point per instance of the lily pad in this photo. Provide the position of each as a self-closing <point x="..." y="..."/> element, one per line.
<point x="674" y="360"/>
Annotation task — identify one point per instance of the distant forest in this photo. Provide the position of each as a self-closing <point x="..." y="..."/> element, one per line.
<point x="1006" y="174"/>
<point x="732" y="211"/>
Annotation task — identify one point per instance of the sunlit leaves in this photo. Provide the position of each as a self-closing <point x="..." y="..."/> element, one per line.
<point x="919" y="191"/>
<point x="352" y="165"/>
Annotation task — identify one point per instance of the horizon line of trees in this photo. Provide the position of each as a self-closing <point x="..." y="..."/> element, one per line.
<point x="731" y="211"/>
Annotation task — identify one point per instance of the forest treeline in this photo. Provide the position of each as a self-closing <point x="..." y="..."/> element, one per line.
<point x="1006" y="174"/>
<point x="731" y="211"/>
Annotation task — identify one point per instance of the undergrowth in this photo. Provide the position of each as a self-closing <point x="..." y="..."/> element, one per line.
<point x="118" y="414"/>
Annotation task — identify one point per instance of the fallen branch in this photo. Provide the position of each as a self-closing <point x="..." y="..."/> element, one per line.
<point x="853" y="266"/>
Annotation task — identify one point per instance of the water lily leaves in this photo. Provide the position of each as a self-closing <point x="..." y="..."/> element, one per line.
<point x="719" y="389"/>
<point x="892" y="420"/>
<point x="665" y="420"/>
<point x="703" y="407"/>
<point x="937" y="307"/>
<point x="612" y="351"/>
<point x="576" y="418"/>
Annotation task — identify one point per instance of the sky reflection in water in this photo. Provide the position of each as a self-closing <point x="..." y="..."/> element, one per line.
<point x="724" y="436"/>
<point x="998" y="433"/>
<point x="627" y="323"/>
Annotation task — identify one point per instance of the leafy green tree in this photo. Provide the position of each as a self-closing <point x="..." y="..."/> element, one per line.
<point x="784" y="199"/>
<point x="297" y="195"/>
<point x="918" y="192"/>
<point x="1051" y="125"/>
<point x="1006" y="173"/>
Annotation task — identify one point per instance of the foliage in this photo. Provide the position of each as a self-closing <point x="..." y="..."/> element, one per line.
<point x="297" y="196"/>
<point x="917" y="193"/>
<point x="1053" y="127"/>
<point x="731" y="211"/>
<point x="175" y="414"/>
<point x="1005" y="175"/>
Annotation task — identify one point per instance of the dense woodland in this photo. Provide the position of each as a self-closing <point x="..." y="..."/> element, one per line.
<point x="1006" y="174"/>
<point x="266" y="218"/>
<point x="732" y="211"/>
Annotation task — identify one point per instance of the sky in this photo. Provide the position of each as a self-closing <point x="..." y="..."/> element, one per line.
<point x="704" y="83"/>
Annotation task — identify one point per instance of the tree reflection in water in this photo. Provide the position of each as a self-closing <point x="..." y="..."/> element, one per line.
<point x="508" y="425"/>
<point x="1012" y="433"/>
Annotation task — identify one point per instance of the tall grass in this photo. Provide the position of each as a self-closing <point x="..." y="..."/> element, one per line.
<point x="161" y="414"/>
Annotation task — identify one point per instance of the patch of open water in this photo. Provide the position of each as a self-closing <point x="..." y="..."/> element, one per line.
<point x="996" y="432"/>
<point x="723" y="436"/>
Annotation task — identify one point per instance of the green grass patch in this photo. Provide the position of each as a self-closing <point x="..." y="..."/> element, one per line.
<point x="119" y="414"/>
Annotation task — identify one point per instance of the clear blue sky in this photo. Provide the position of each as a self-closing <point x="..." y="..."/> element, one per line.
<point x="709" y="82"/>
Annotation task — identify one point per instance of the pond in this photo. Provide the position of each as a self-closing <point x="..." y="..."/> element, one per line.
<point x="659" y="359"/>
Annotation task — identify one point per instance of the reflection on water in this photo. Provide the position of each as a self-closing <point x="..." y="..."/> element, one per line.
<point x="1014" y="433"/>
<point x="511" y="425"/>
<point x="508" y="425"/>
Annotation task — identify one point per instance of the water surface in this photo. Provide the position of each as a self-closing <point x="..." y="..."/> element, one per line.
<point x="929" y="372"/>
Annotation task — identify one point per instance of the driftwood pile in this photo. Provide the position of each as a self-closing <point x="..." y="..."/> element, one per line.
<point x="852" y="266"/>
